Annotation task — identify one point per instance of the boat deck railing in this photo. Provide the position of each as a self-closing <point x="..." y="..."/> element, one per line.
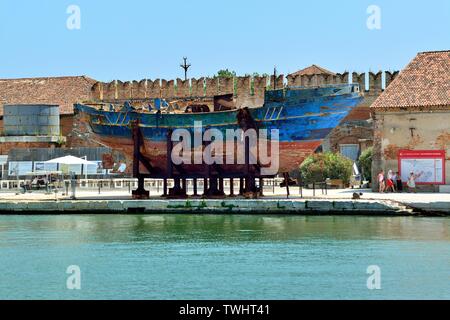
<point x="328" y="85"/>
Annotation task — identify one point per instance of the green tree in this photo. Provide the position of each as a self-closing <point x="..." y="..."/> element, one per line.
<point x="365" y="163"/>
<point x="321" y="166"/>
<point x="225" y="73"/>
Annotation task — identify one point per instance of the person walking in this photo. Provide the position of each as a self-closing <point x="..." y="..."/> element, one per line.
<point x="399" y="182"/>
<point x="412" y="181"/>
<point x="390" y="186"/>
<point x="381" y="182"/>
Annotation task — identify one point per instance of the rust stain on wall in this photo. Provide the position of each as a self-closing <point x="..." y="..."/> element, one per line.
<point x="414" y="142"/>
<point x="391" y="151"/>
<point x="443" y="140"/>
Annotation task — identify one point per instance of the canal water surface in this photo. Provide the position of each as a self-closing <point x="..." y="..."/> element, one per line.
<point x="223" y="257"/>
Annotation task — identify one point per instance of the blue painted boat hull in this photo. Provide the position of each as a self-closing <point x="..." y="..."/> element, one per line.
<point x="303" y="117"/>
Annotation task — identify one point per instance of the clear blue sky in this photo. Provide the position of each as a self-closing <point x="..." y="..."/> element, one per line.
<point x="138" y="39"/>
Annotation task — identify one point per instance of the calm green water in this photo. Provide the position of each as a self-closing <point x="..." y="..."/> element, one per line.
<point x="223" y="257"/>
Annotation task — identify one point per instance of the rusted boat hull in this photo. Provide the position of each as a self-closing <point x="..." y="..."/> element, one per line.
<point x="302" y="117"/>
<point x="291" y="155"/>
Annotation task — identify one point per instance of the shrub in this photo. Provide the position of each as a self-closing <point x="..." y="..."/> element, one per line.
<point x="320" y="166"/>
<point x="365" y="163"/>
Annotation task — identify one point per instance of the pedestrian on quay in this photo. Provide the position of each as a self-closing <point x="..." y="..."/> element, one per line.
<point x="381" y="182"/>
<point x="412" y="182"/>
<point x="399" y="182"/>
<point x="390" y="186"/>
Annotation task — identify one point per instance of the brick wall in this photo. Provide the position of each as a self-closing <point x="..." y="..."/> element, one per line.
<point x="6" y="147"/>
<point x="248" y="91"/>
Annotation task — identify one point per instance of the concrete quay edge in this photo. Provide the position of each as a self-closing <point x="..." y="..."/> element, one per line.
<point x="200" y="206"/>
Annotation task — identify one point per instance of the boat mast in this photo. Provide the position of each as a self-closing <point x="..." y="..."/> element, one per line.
<point x="275" y="78"/>
<point x="185" y="66"/>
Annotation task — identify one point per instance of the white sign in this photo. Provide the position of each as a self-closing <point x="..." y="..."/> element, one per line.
<point x="20" y="168"/>
<point x="426" y="170"/>
<point x="42" y="166"/>
<point x="3" y="160"/>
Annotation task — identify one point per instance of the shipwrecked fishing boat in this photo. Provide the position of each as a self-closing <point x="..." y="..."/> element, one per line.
<point x="302" y="116"/>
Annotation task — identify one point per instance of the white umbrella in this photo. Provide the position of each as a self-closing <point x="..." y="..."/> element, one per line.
<point x="71" y="160"/>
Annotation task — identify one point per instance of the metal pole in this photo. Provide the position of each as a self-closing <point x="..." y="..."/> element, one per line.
<point x="286" y="180"/>
<point x="165" y="187"/>
<point x="205" y="185"/>
<point x="194" y="181"/>
<point x="85" y="169"/>
<point x="275" y="78"/>
<point x="186" y="67"/>
<point x="18" y="182"/>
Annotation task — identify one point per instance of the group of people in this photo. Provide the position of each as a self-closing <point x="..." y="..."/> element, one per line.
<point x="393" y="182"/>
<point x="38" y="183"/>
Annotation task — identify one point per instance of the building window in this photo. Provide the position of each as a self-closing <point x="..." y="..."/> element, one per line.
<point x="350" y="151"/>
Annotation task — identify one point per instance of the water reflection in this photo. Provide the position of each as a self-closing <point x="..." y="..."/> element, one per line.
<point x="223" y="256"/>
<point x="229" y="228"/>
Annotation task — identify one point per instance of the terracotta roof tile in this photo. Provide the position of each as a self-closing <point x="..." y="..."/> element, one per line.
<point x="311" y="70"/>
<point x="63" y="91"/>
<point x="425" y="82"/>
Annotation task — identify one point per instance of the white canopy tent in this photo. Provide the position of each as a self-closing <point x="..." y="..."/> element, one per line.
<point x="71" y="160"/>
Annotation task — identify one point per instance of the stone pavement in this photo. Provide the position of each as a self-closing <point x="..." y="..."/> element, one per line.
<point x="423" y="201"/>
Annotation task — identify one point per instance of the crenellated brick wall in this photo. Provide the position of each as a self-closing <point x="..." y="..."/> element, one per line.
<point x="316" y="79"/>
<point x="246" y="89"/>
